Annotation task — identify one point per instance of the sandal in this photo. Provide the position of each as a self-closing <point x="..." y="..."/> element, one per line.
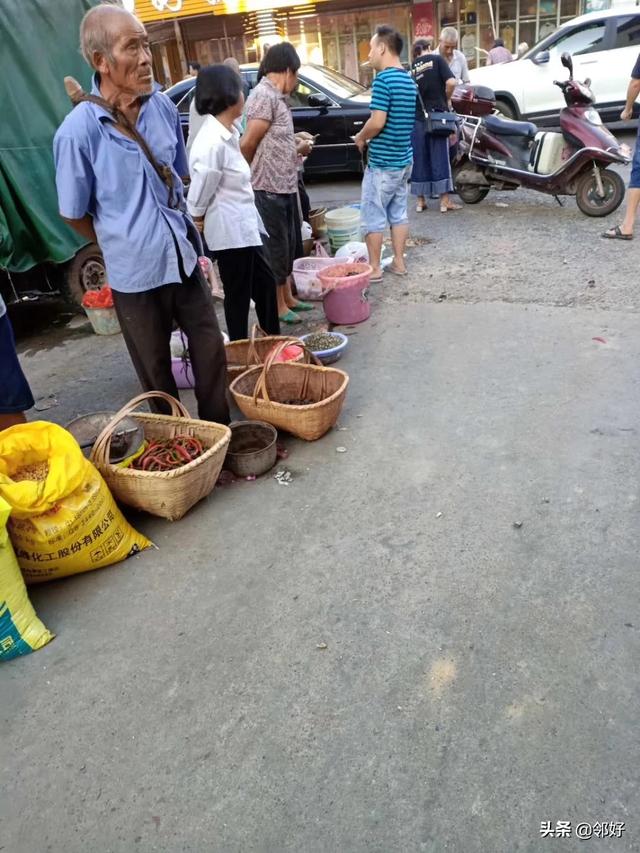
<point x="420" y="206"/>
<point x="395" y="271"/>
<point x="302" y="306"/>
<point x="290" y="318"/>
<point x="616" y="234"/>
<point x="451" y="206"/>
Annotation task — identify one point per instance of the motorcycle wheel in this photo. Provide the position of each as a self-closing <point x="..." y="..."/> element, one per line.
<point x="587" y="196"/>
<point x="472" y="194"/>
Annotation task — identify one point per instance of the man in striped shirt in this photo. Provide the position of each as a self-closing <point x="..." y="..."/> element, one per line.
<point x="388" y="135"/>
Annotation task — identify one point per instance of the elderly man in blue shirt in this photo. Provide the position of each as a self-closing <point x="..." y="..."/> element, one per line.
<point x="111" y="192"/>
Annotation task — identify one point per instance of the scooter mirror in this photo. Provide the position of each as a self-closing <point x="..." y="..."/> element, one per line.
<point x="566" y="60"/>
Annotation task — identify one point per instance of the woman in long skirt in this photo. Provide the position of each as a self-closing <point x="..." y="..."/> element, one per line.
<point x="431" y="175"/>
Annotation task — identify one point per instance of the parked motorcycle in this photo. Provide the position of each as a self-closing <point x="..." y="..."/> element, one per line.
<point x="499" y="153"/>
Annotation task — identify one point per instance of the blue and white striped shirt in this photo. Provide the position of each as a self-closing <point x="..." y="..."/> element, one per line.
<point x="393" y="92"/>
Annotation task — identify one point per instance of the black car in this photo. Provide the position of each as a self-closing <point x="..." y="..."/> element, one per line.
<point x="325" y="103"/>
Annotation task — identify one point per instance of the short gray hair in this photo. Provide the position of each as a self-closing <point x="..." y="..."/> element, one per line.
<point x="449" y="34"/>
<point x="96" y="32"/>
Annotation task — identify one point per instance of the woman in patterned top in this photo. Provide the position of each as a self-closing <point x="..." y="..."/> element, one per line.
<point x="272" y="150"/>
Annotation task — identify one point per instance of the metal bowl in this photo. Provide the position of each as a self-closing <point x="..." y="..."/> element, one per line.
<point x="127" y="438"/>
<point x="252" y="449"/>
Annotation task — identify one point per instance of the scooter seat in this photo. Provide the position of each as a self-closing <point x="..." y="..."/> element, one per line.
<point x="507" y="127"/>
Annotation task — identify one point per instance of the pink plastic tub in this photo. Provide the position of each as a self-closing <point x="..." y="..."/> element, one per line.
<point x="347" y="290"/>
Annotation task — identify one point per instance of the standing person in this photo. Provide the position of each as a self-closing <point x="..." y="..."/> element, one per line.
<point x="388" y="135"/>
<point x="196" y="120"/>
<point x="222" y="204"/>
<point x="431" y="175"/>
<point x="499" y="54"/>
<point x="233" y="63"/>
<point x="192" y="69"/>
<point x="271" y="149"/>
<point x="15" y="394"/>
<point x="113" y="193"/>
<point x="625" y="230"/>
<point x="455" y="58"/>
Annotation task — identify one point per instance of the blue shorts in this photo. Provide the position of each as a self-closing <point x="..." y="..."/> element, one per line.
<point x="384" y="198"/>
<point x="15" y="394"/>
<point x="634" y="182"/>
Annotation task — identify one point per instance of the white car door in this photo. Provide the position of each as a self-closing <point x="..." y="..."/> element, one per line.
<point x="623" y="56"/>
<point x="584" y="43"/>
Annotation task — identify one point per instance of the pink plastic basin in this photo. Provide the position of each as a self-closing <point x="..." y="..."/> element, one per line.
<point x="346" y="301"/>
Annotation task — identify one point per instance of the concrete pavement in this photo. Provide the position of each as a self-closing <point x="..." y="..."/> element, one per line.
<point x="470" y="563"/>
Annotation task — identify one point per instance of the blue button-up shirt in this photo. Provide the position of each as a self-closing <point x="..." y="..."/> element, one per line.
<point x="101" y="172"/>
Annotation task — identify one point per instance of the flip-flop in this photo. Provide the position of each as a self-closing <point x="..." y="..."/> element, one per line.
<point x="616" y="234"/>
<point x="302" y="306"/>
<point x="375" y="280"/>
<point x="394" y="271"/>
<point x="445" y="208"/>
<point x="290" y="318"/>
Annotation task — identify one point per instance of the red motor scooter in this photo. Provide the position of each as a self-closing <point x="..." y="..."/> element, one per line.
<point x="498" y="153"/>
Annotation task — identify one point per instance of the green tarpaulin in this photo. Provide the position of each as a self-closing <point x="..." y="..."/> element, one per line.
<point x="38" y="48"/>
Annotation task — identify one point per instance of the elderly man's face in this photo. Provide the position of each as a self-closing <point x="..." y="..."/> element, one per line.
<point x="447" y="46"/>
<point x="130" y="71"/>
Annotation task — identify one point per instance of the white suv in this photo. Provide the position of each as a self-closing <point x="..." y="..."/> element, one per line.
<point x="604" y="46"/>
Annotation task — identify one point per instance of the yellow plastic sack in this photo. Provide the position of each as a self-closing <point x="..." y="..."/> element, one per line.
<point x="69" y="522"/>
<point x="21" y="631"/>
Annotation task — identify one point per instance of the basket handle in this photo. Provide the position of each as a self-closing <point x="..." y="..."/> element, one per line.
<point x="256" y="332"/>
<point x="102" y="447"/>
<point x="261" y="384"/>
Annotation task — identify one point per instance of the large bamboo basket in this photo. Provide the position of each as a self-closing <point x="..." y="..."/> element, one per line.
<point x="259" y="393"/>
<point x="169" y="494"/>
<point x="241" y="355"/>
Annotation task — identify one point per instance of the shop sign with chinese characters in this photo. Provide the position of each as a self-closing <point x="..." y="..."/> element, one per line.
<point x="164" y="10"/>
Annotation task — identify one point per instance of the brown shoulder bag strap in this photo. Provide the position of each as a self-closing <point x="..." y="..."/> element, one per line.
<point x="77" y="95"/>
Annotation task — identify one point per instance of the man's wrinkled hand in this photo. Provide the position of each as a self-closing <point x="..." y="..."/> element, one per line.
<point x="360" y="143"/>
<point x="626" y="114"/>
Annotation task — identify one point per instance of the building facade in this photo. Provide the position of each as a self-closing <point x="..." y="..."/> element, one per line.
<point x="334" y="33"/>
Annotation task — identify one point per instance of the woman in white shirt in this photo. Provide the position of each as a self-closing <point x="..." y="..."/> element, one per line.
<point x="222" y="204"/>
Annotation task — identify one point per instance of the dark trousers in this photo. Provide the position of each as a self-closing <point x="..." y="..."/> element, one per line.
<point x="146" y="320"/>
<point x="246" y="274"/>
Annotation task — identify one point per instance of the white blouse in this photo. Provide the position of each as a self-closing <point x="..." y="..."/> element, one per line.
<point x="221" y="189"/>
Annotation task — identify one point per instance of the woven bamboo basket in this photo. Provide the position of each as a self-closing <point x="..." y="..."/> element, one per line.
<point x="259" y="393"/>
<point x="241" y="355"/>
<point x="169" y="494"/>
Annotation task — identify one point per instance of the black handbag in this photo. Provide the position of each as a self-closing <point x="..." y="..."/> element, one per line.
<point x="439" y="122"/>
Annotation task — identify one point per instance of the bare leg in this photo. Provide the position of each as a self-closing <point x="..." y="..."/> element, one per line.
<point x="284" y="312"/>
<point x="633" y="200"/>
<point x="399" y="234"/>
<point x="289" y="298"/>
<point x="282" y="302"/>
<point x="374" y="247"/>
<point x="7" y="421"/>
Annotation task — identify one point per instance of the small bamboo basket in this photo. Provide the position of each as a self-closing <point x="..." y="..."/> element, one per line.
<point x="169" y="494"/>
<point x="259" y="393"/>
<point x="241" y="355"/>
